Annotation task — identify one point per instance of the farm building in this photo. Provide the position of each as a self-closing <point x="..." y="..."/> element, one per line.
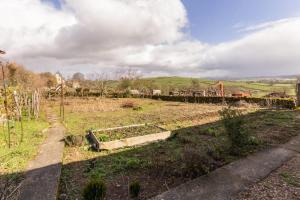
<point x="59" y="78"/>
<point x="199" y="93"/>
<point x="240" y="94"/>
<point x="134" y="92"/>
<point x="156" y="92"/>
<point x="75" y="84"/>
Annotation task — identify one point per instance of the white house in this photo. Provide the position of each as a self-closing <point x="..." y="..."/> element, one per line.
<point x="59" y="78"/>
<point x="156" y="92"/>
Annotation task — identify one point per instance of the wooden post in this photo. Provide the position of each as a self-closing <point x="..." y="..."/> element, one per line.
<point x="62" y="106"/>
<point x="5" y="103"/>
<point x="298" y="93"/>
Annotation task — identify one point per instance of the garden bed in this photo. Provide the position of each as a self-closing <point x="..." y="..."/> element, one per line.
<point x="126" y="136"/>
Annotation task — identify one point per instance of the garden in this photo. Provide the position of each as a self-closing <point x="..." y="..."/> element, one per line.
<point x="203" y="138"/>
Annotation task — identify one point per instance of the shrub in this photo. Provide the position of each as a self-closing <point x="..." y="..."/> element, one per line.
<point x="195" y="161"/>
<point x="133" y="163"/>
<point x="233" y="124"/>
<point x="137" y="108"/>
<point x="128" y="104"/>
<point x="74" y="140"/>
<point x="134" y="189"/>
<point x="94" y="190"/>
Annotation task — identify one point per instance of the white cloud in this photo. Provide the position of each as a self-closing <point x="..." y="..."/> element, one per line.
<point x="147" y="35"/>
<point x="271" y="50"/>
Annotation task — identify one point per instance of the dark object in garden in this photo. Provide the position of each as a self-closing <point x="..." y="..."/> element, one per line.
<point x="95" y="190"/>
<point x="134" y="189"/>
<point x="74" y="140"/>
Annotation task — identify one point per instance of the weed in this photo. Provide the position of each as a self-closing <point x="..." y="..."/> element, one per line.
<point x="195" y="161"/>
<point x="290" y="179"/>
<point x="94" y="190"/>
<point x="137" y="108"/>
<point x="134" y="189"/>
<point x="103" y="137"/>
<point x="233" y="123"/>
<point x="133" y="163"/>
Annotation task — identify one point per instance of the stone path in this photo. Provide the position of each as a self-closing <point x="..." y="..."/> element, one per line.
<point x="282" y="184"/>
<point x="43" y="173"/>
<point x="231" y="179"/>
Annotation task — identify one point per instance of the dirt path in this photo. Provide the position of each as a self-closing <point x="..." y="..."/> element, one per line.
<point x="42" y="178"/>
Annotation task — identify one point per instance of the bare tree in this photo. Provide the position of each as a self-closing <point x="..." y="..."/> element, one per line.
<point x="78" y="76"/>
<point x="101" y="82"/>
<point x="127" y="79"/>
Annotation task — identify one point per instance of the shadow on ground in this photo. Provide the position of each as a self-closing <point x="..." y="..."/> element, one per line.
<point x="189" y="153"/>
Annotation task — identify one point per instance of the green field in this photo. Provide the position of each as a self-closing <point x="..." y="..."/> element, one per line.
<point x="257" y="89"/>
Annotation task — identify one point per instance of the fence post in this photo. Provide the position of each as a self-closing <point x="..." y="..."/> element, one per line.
<point x="298" y="93"/>
<point x="5" y="104"/>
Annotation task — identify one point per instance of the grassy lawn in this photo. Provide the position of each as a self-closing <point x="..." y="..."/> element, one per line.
<point x="95" y="113"/>
<point x="14" y="160"/>
<point x="199" y="144"/>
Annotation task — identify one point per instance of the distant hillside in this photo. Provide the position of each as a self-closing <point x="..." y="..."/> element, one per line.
<point x="257" y="88"/>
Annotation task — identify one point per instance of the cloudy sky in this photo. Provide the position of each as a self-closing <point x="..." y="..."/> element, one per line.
<point x="200" y="38"/>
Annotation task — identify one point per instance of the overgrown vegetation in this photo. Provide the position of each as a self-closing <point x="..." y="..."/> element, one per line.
<point x="134" y="189"/>
<point x="94" y="190"/>
<point x="233" y="122"/>
<point x="191" y="152"/>
<point x="127" y="132"/>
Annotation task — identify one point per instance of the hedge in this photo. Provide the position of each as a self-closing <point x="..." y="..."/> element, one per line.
<point x="265" y="102"/>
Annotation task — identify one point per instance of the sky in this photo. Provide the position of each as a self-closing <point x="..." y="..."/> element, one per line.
<point x="199" y="38"/>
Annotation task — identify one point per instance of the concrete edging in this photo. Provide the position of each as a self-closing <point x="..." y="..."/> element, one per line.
<point x="233" y="178"/>
<point x="128" y="142"/>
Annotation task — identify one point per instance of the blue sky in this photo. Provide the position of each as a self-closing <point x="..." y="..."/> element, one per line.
<point x="216" y="20"/>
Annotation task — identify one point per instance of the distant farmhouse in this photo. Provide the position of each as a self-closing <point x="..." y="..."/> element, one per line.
<point x="59" y="78"/>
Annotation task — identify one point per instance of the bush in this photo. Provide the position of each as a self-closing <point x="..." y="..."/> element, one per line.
<point x="264" y="102"/>
<point x="74" y="140"/>
<point x="95" y="190"/>
<point x="128" y="104"/>
<point x="233" y="124"/>
<point x="137" y="108"/>
<point x="134" y="189"/>
<point x="196" y="162"/>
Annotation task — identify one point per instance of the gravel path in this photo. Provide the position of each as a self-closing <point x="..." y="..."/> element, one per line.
<point x="282" y="184"/>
